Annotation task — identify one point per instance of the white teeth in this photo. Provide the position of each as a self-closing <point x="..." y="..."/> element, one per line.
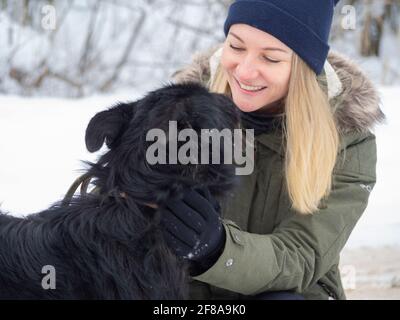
<point x="249" y="88"/>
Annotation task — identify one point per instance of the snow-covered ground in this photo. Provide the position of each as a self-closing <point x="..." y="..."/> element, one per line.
<point x="42" y="143"/>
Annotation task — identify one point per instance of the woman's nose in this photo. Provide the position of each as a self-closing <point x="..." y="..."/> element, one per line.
<point x="247" y="70"/>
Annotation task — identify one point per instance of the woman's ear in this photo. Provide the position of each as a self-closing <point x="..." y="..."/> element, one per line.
<point x="107" y="126"/>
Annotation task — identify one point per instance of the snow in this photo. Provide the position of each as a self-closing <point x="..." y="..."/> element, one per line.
<point x="42" y="143"/>
<point x="380" y="223"/>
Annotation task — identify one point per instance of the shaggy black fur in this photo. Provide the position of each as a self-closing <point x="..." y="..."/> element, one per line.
<point x="109" y="245"/>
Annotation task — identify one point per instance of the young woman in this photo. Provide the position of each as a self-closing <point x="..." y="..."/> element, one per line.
<point x="283" y="228"/>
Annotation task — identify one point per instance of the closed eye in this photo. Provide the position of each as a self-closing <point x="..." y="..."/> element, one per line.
<point x="235" y="48"/>
<point x="266" y="58"/>
<point x="271" y="60"/>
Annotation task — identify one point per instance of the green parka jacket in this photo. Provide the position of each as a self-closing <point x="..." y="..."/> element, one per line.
<point x="269" y="247"/>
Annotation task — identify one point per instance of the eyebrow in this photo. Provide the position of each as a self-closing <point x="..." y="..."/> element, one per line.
<point x="267" y="48"/>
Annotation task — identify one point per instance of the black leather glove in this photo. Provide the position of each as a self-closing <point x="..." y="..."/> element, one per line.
<point x="193" y="229"/>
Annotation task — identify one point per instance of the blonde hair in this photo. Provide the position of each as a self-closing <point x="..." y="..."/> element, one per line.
<point x="311" y="135"/>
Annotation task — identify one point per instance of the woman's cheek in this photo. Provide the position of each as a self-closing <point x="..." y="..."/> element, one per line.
<point x="228" y="61"/>
<point x="285" y="75"/>
<point x="279" y="77"/>
<point x="225" y="66"/>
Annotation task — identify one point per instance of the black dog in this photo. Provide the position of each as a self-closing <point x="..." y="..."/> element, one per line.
<point x="109" y="244"/>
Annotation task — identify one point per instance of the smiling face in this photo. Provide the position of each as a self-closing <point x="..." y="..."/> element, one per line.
<point x="257" y="66"/>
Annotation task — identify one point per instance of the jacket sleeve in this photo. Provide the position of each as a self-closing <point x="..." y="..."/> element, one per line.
<point x="302" y="248"/>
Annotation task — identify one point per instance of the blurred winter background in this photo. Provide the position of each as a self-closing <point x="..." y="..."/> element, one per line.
<point x="61" y="61"/>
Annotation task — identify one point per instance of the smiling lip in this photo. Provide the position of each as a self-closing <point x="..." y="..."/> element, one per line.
<point x="251" y="93"/>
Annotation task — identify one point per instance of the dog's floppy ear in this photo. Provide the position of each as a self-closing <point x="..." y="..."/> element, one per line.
<point x="108" y="126"/>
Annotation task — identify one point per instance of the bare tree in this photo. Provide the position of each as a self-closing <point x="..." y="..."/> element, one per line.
<point x="100" y="45"/>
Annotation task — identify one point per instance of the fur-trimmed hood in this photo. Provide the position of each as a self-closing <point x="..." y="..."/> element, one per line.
<point x="352" y="95"/>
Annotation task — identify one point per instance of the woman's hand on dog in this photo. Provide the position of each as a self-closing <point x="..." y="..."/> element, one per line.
<point x="193" y="228"/>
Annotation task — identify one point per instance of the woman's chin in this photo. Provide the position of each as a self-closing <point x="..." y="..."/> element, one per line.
<point x="246" y="107"/>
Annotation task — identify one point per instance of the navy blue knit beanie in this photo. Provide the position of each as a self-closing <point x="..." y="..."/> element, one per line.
<point x="303" y="25"/>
